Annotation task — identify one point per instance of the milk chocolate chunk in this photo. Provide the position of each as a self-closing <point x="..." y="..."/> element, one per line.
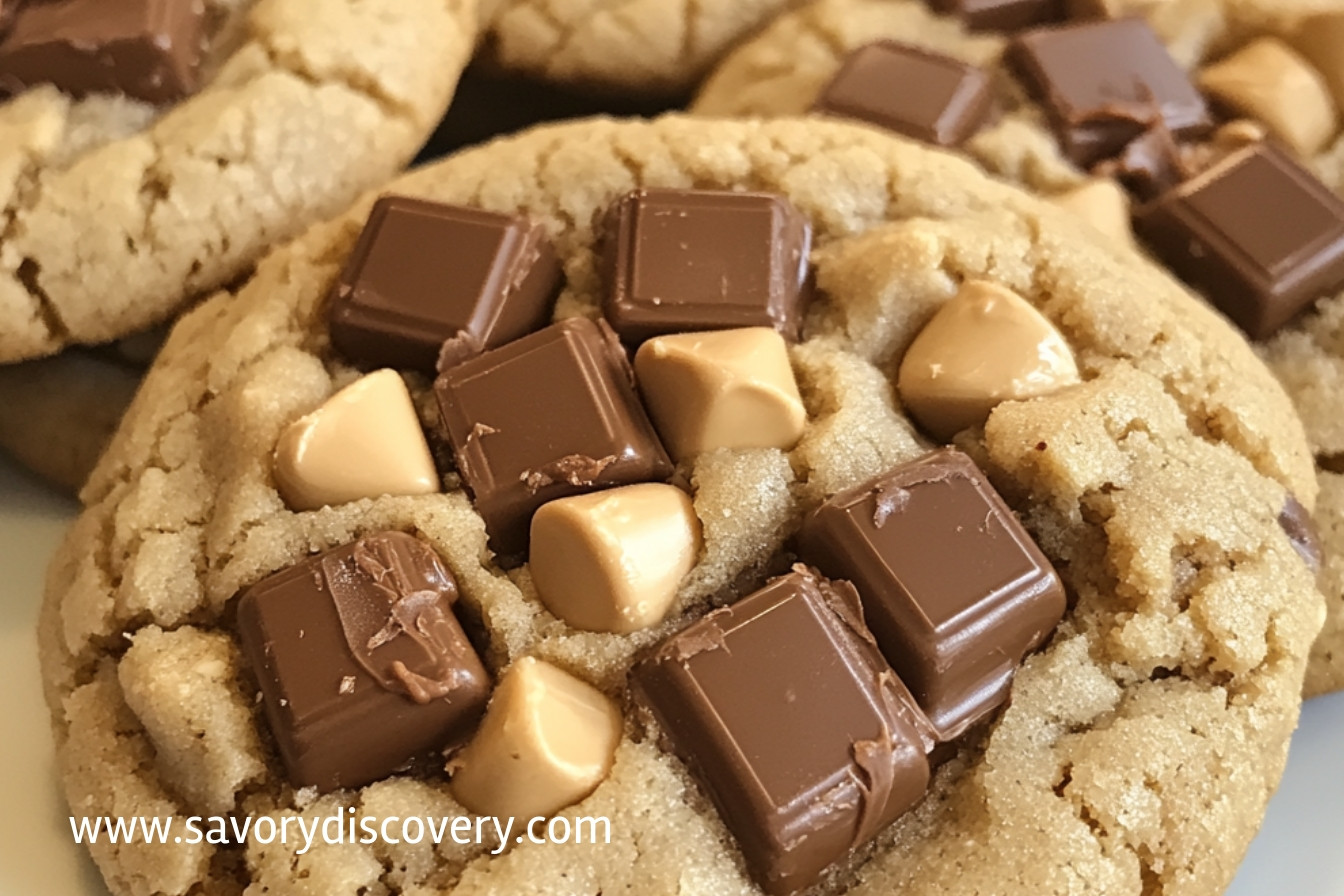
<point x="1002" y="15"/>
<point x="146" y="49"/>
<point x="953" y="587"/>
<point x="431" y="284"/>
<point x="361" y="662"/>
<point x="1301" y="530"/>
<point x="550" y="415"/>
<point x="784" y="710"/>
<point x="924" y="95"/>
<point x="684" y="260"/>
<point x="1256" y="232"/>
<point x="1104" y="83"/>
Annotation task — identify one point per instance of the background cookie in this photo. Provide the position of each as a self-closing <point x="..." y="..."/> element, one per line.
<point x="782" y="71"/>
<point x="118" y="214"/>
<point x="1141" y="744"/>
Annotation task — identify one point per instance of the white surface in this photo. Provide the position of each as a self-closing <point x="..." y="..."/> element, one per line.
<point x="1300" y="850"/>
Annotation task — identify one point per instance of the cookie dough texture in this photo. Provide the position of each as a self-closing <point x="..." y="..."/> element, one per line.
<point x="641" y="47"/>
<point x="115" y="216"/>
<point x="1141" y="744"/>
<point x="781" y="71"/>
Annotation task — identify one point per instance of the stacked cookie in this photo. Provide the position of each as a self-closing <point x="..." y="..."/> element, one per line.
<point x="817" y="511"/>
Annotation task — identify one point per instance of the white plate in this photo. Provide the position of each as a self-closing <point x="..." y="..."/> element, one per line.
<point x="1298" y="851"/>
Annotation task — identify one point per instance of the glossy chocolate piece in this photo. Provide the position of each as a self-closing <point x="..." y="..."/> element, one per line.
<point x="1105" y="83"/>
<point x="953" y="587"/>
<point x="923" y="95"/>
<point x="678" y="261"/>
<point x="550" y="415"/>
<point x="1002" y="15"/>
<point x="430" y="284"/>
<point x="1256" y="232"/>
<point x="1149" y="165"/>
<point x="146" y="49"/>
<point x="789" y="717"/>
<point x="361" y="662"/>
<point x="1301" y="530"/>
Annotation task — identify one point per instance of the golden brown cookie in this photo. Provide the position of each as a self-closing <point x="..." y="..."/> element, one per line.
<point x="1141" y="743"/>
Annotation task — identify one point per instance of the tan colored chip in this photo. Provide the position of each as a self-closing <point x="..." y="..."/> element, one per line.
<point x="363" y="442"/>
<point x="1320" y="38"/>
<point x="1269" y="81"/>
<point x="1103" y="204"/>
<point x="546" y="742"/>
<point x="723" y="389"/>
<point x="612" y="561"/>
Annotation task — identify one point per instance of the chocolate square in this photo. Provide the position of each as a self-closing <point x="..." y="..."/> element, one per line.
<point x="146" y="49"/>
<point x="953" y="587"/>
<point x="1002" y="15"/>
<point x="550" y="415"/>
<point x="924" y="95"/>
<point x="1257" y="233"/>
<point x="1104" y="83"/>
<point x="431" y="284"/>
<point x="792" y="721"/>
<point x="361" y="662"/>
<point x="678" y="261"/>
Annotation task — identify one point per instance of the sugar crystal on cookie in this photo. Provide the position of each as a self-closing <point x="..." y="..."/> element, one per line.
<point x="361" y="662"/>
<point x="146" y="49"/>
<point x="677" y="261"/>
<point x="954" y="589"/>
<point x="432" y="284"/>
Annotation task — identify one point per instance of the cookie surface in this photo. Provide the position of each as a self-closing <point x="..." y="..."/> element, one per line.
<point x="1141" y="743"/>
<point x="782" y="71"/>
<point x="120" y="212"/>
<point x="640" y="47"/>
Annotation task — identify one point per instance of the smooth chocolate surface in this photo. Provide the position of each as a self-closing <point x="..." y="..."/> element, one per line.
<point x="549" y="415"/>
<point x="1256" y="232"/>
<point x="146" y="49"/>
<point x="924" y="95"/>
<point x="953" y="587"/>
<point x="683" y="260"/>
<point x="361" y="662"/>
<point x="1301" y="530"/>
<point x="1104" y="83"/>
<point x="1002" y="15"/>
<point x="785" y="711"/>
<point x="430" y="284"/>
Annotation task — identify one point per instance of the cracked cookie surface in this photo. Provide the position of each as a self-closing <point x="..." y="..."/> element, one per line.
<point x="1141" y="743"/>
<point x="782" y="70"/>
<point x="116" y="213"/>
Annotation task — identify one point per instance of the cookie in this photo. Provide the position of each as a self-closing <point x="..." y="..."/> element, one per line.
<point x="1147" y="478"/>
<point x="786" y="68"/>
<point x="121" y="210"/>
<point x="619" y="47"/>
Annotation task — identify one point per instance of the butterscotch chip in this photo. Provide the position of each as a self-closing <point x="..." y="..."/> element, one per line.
<point x="985" y="346"/>
<point x="365" y="441"/>
<point x="1103" y="204"/>
<point x="546" y="742"/>
<point x="724" y="389"/>
<point x="1269" y="81"/>
<point x="612" y="561"/>
<point x="1320" y="38"/>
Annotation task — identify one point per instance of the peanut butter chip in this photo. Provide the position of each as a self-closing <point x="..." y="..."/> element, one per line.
<point x="365" y="441"/>
<point x="985" y="346"/>
<point x="546" y="742"/>
<point x="612" y="561"/>
<point x="1320" y="38"/>
<point x="1103" y="204"/>
<point x="722" y="389"/>
<point x="1270" y="81"/>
